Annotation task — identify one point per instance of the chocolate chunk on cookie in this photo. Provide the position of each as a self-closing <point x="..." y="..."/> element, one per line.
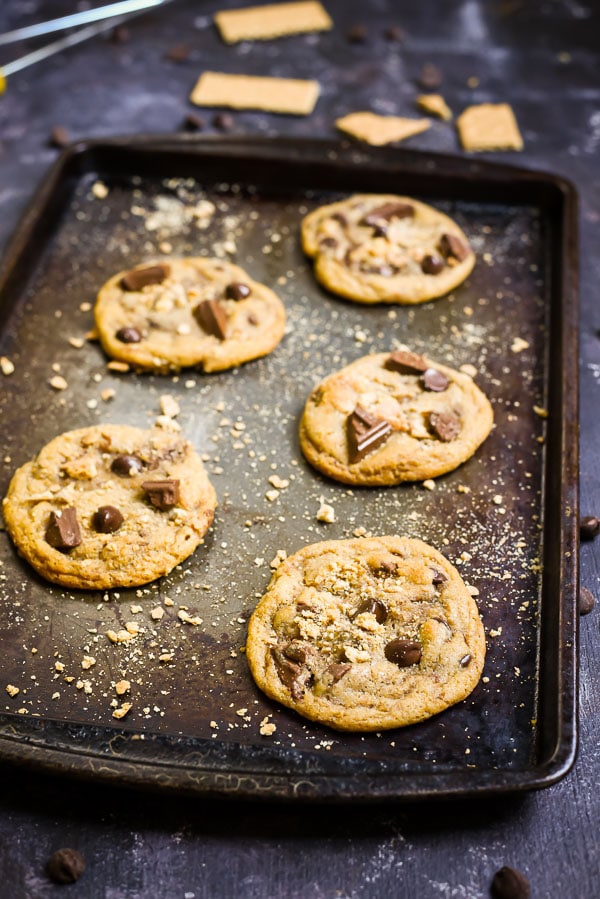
<point x="109" y="506"/>
<point x="384" y="248"/>
<point x="393" y="417"/>
<point x="192" y="312"/>
<point x="348" y="648"/>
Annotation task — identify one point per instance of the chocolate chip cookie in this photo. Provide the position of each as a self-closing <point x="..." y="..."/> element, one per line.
<point x="393" y="417"/>
<point x="366" y="634"/>
<point x="382" y="248"/>
<point x="187" y="312"/>
<point x="109" y="506"/>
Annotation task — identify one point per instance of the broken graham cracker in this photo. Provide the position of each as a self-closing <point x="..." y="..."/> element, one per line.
<point x="274" y="20"/>
<point x="285" y="95"/>
<point x="378" y="130"/>
<point x="434" y="104"/>
<point x="489" y="126"/>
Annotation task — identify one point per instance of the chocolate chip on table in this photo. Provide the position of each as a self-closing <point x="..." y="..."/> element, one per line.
<point x="403" y="653"/>
<point x="65" y="866"/>
<point x="366" y="432"/>
<point x="587" y="601"/>
<point x="211" y="318"/>
<point x="509" y="884"/>
<point x="126" y="465"/>
<point x="237" y="291"/>
<point x="395" y="34"/>
<point x="223" y="121"/>
<point x="406" y="363"/>
<point x="589" y="527"/>
<point x="445" y="425"/>
<point x="59" y="137"/>
<point x="128" y="335"/>
<point x="178" y="53"/>
<point x="162" y="494"/>
<point x="357" y="33"/>
<point x="120" y="35"/>
<point x="142" y="277"/>
<point x="431" y="264"/>
<point x="386" y="213"/>
<point x="452" y="247"/>
<point x="62" y="531"/>
<point x="430" y="77"/>
<point x="434" y="380"/>
<point x="107" y="520"/>
<point x="193" y="122"/>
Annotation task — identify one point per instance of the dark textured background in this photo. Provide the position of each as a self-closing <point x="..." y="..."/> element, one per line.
<point x="544" y="59"/>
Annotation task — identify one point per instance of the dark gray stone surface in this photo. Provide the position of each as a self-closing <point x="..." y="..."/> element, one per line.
<point x="543" y="58"/>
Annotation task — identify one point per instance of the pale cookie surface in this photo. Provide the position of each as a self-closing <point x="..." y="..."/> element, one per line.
<point x="292" y="96"/>
<point x="187" y="312"/>
<point x="109" y="506"/>
<point x="379" y="130"/>
<point x="489" y="126"/>
<point x="383" y="248"/>
<point x="393" y="417"/>
<point x="274" y="20"/>
<point x="366" y="634"/>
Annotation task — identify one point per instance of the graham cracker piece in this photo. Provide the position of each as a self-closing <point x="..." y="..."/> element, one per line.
<point x="275" y="20"/>
<point x="489" y="126"/>
<point x="287" y="95"/>
<point x="380" y="129"/>
<point x="434" y="104"/>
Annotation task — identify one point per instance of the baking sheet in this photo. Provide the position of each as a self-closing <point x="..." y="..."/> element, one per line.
<point x="507" y="518"/>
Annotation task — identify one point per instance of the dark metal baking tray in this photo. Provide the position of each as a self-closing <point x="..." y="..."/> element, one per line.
<point x="508" y="516"/>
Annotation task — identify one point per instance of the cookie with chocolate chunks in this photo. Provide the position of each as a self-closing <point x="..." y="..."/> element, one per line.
<point x="382" y="248"/>
<point x="393" y="417"/>
<point x="109" y="506"/>
<point x="342" y="645"/>
<point x="198" y="312"/>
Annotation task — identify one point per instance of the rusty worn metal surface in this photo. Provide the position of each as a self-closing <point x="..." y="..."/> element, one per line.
<point x="503" y="516"/>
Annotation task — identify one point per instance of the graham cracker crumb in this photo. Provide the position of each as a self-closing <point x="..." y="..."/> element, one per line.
<point x="489" y="126"/>
<point x="378" y="130"/>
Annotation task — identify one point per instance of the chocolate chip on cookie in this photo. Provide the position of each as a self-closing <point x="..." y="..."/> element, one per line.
<point x="406" y="363"/>
<point x="403" y="653"/>
<point x="62" y="531"/>
<point x="366" y="432"/>
<point x="445" y="425"/>
<point x="128" y="335"/>
<point x="126" y="465"/>
<point x="434" y="380"/>
<point x="162" y="494"/>
<point x="432" y="264"/>
<point x="138" y="278"/>
<point x="387" y="212"/>
<point x="237" y="290"/>
<point x="211" y="318"/>
<point x="107" y="520"/>
<point x="452" y="247"/>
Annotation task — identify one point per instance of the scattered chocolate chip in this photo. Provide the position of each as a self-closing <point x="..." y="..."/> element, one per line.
<point x="465" y="660"/>
<point x="178" y="53"/>
<point x="128" y="335"/>
<point x="291" y="674"/>
<point x="386" y="213"/>
<point x="403" y="653"/>
<point x="107" y="520"/>
<point x="453" y="247"/>
<point x="211" y="318"/>
<point x="445" y="425"/>
<point x="142" y="277"/>
<point x="376" y="608"/>
<point x="357" y="34"/>
<point x="406" y="363"/>
<point x="63" y="531"/>
<point x="589" y="527"/>
<point x="65" y="866"/>
<point x="395" y="34"/>
<point x="434" y="380"/>
<point x="193" y="122"/>
<point x="432" y="264"/>
<point x="59" y="137"/>
<point x="587" y="601"/>
<point x="439" y="578"/>
<point x="330" y="242"/>
<point x="509" y="884"/>
<point x="337" y="670"/>
<point x="237" y="291"/>
<point x="430" y="77"/>
<point x="120" y="35"/>
<point x="162" y="494"/>
<point x="126" y="465"/>
<point x="365" y="433"/>
<point x="223" y="121"/>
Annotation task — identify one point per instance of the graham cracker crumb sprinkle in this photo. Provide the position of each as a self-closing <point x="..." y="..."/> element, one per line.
<point x="122" y="687"/>
<point x="12" y="690"/>
<point x="122" y="711"/>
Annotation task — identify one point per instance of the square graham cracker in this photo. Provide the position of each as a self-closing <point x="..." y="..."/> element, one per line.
<point x="489" y="126"/>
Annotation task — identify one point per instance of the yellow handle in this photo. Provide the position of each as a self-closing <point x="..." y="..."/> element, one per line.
<point x="2" y="82"/>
